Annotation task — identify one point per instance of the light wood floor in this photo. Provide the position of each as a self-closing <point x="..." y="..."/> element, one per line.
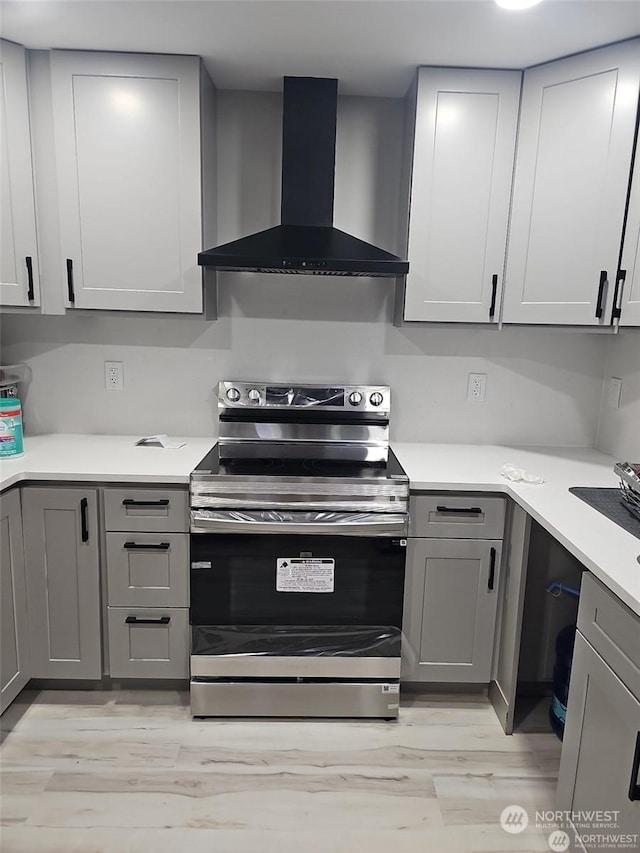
<point x="118" y="772"/>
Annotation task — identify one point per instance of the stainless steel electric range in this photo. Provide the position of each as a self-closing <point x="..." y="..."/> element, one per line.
<point x="299" y="520"/>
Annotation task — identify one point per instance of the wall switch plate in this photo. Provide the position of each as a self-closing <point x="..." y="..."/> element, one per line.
<point x="613" y="392"/>
<point x="113" y="375"/>
<point x="476" y="387"/>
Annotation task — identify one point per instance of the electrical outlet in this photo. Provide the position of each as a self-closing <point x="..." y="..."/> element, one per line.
<point x="476" y="387"/>
<point x="614" y="391"/>
<point x="113" y="375"/>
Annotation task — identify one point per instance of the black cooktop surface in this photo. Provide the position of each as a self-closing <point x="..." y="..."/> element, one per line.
<point x="212" y="464"/>
<point x="609" y="502"/>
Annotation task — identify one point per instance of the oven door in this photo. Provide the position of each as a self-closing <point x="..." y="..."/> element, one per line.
<point x="292" y="588"/>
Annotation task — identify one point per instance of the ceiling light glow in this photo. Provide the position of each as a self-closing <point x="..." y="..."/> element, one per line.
<point x="517" y="4"/>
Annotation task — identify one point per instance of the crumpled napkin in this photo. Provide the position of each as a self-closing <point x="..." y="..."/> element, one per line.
<point x="513" y="472"/>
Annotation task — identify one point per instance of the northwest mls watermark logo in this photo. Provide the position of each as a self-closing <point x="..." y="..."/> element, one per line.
<point x="514" y="819"/>
<point x="559" y="841"/>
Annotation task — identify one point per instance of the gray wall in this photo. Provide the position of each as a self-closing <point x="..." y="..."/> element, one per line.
<point x="544" y="386"/>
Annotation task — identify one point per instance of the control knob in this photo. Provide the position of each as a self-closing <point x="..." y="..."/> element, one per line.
<point x="355" y="398"/>
<point x="376" y="398"/>
<point x="254" y="395"/>
<point x="233" y="395"/>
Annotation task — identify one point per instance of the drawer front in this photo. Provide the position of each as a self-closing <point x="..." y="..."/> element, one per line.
<point x="148" y="569"/>
<point x="612" y="629"/>
<point x="147" y="510"/>
<point x="148" y="642"/>
<point x="456" y="516"/>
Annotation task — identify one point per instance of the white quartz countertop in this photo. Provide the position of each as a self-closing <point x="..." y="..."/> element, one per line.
<point x="102" y="459"/>
<point x="602" y="546"/>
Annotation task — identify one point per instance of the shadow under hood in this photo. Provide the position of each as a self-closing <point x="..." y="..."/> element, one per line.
<point x="306" y="241"/>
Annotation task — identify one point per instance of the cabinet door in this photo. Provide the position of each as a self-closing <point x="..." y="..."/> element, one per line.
<point x="598" y="767"/>
<point x="14" y="632"/>
<point x="18" y="254"/>
<point x="127" y="134"/>
<point x="464" y="146"/>
<point x="570" y="188"/>
<point x="629" y="303"/>
<point x="450" y="609"/>
<point x="61" y="553"/>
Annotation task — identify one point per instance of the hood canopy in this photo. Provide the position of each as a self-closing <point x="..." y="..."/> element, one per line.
<point x="306" y="241"/>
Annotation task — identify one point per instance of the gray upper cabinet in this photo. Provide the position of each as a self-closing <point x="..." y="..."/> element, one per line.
<point x="627" y="302"/>
<point x="14" y="630"/>
<point x="451" y="594"/>
<point x="128" y="136"/>
<point x="19" y="283"/>
<point x="573" y="159"/>
<point x="464" y="143"/>
<point x="63" y="586"/>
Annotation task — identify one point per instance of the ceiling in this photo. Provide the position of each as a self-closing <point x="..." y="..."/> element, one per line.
<point x="372" y="46"/>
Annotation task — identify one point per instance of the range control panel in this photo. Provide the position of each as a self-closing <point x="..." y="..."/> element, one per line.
<point x="363" y="398"/>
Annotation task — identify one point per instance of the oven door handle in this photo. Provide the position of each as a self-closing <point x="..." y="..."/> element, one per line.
<point x="322" y="522"/>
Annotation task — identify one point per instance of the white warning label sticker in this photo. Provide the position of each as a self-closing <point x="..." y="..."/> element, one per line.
<point x="298" y="574"/>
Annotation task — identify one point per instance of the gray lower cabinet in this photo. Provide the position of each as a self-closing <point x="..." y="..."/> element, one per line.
<point x="599" y="768"/>
<point x="63" y="582"/>
<point x="14" y="631"/>
<point x="148" y="569"/>
<point x="148" y="643"/>
<point x="147" y="562"/>
<point x="450" y="609"/>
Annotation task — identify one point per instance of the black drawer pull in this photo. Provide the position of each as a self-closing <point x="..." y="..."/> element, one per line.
<point x="603" y="281"/>
<point x="616" y="311"/>
<point x="84" y="504"/>
<point x="132" y="502"/>
<point x="492" y="569"/>
<point x="30" y="292"/>
<point x="136" y="620"/>
<point x="147" y="546"/>
<point x="469" y="510"/>
<point x="634" y="787"/>
<point x="494" y="293"/>
<point x="70" y="290"/>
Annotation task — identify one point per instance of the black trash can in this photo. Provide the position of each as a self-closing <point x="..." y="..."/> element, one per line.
<point x="561" y="675"/>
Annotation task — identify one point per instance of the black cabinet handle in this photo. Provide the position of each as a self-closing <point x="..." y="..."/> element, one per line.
<point x="492" y="569"/>
<point x="84" y="504"/>
<point x="634" y="788"/>
<point x="494" y="292"/>
<point x="132" y="502"/>
<point x="601" y="286"/>
<point x="147" y="546"/>
<point x="71" y="292"/>
<point x="30" y="292"/>
<point x="135" y="620"/>
<point x="470" y="510"/>
<point x="616" y="311"/>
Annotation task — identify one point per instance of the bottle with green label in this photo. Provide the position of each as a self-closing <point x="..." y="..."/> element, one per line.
<point x="10" y="427"/>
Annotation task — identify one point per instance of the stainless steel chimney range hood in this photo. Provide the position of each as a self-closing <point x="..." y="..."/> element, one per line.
<point x="306" y="241"/>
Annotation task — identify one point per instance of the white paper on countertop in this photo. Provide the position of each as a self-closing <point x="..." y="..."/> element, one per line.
<point x="162" y="440"/>
<point x="516" y="474"/>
